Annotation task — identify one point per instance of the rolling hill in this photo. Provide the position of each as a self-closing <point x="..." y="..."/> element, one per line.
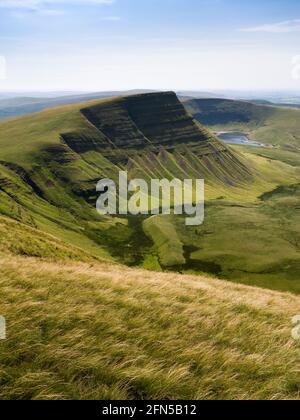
<point x="13" y="106"/>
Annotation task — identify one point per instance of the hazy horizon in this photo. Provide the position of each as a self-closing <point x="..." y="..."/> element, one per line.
<point x="105" y="45"/>
<point x="211" y="91"/>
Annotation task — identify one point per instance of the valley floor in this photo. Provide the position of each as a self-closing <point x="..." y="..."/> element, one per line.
<point x="100" y="331"/>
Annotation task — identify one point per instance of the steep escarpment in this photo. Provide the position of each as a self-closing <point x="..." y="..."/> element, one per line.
<point x="50" y="163"/>
<point x="152" y="134"/>
<point x="157" y="119"/>
<point x="149" y="135"/>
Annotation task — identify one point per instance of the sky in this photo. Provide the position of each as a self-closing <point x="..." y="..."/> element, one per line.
<point x="102" y="45"/>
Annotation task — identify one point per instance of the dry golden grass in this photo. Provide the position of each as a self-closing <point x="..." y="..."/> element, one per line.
<point x="97" y="331"/>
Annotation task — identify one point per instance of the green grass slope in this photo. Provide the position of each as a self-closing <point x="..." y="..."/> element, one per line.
<point x="254" y="243"/>
<point x="93" y="330"/>
<point x="22" y="240"/>
<point x="251" y="237"/>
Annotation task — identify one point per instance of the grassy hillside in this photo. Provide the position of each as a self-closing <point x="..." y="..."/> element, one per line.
<point x="50" y="163"/>
<point x="94" y="330"/>
<point x="81" y="326"/>
<point x="279" y="126"/>
<point x="19" y="239"/>
<point x="252" y="238"/>
<point x="252" y="243"/>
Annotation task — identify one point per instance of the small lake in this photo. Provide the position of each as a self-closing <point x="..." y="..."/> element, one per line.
<point x="237" y="137"/>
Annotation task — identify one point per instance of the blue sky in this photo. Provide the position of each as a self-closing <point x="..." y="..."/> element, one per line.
<point x="157" y="44"/>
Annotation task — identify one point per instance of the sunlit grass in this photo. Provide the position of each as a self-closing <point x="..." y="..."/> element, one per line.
<point x="92" y="331"/>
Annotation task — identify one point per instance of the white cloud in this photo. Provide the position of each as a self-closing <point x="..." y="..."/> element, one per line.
<point x="111" y="18"/>
<point x="36" y="4"/>
<point x="287" y="26"/>
<point x="184" y="67"/>
<point x="50" y="12"/>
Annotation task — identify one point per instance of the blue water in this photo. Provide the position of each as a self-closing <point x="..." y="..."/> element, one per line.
<point x="237" y="137"/>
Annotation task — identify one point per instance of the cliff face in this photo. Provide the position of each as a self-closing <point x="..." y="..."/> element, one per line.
<point x="156" y="119"/>
<point x="65" y="151"/>
<point x="153" y="135"/>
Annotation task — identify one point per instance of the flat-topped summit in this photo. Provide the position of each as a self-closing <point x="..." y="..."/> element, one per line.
<point x="140" y="120"/>
<point x="151" y="135"/>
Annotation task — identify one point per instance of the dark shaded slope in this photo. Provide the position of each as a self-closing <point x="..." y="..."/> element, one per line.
<point x="225" y="111"/>
<point x="114" y="121"/>
<point x="141" y="120"/>
<point x="163" y="120"/>
<point x="153" y="136"/>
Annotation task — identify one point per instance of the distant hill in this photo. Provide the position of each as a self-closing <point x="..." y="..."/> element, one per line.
<point x="225" y="111"/>
<point x="11" y="106"/>
<point x="198" y="94"/>
<point x="270" y="124"/>
<point x="260" y="102"/>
